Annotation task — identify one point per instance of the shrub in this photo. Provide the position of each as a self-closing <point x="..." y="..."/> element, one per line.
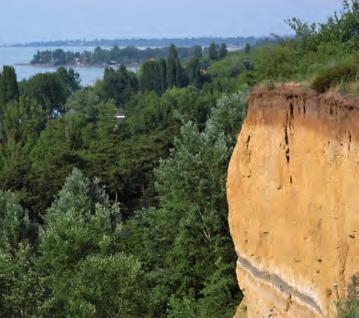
<point x="334" y="76"/>
<point x="276" y="62"/>
<point x="349" y="309"/>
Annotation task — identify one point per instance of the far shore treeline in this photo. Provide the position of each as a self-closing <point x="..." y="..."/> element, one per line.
<point x="116" y="56"/>
<point x="141" y="42"/>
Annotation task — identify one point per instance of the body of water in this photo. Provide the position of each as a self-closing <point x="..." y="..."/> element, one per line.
<point x="17" y="55"/>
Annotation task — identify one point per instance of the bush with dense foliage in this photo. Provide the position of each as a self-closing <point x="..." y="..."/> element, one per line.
<point x="334" y="76"/>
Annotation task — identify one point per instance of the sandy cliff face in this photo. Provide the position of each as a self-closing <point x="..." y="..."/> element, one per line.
<point x="293" y="194"/>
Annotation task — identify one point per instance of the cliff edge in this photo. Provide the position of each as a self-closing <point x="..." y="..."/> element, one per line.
<point x="293" y="195"/>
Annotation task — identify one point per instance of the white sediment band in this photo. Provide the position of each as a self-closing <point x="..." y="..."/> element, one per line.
<point x="280" y="284"/>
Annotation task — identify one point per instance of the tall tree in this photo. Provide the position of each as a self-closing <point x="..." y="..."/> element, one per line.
<point x="175" y="73"/>
<point x="194" y="72"/>
<point x="86" y="102"/>
<point x="151" y="77"/>
<point x="21" y="292"/>
<point x="171" y="70"/>
<point x="70" y="78"/>
<point x="163" y="74"/>
<point x="23" y="122"/>
<point x="197" y="52"/>
<point x="190" y="226"/>
<point x="247" y="48"/>
<point x="119" y="85"/>
<point x="54" y="155"/>
<point x="222" y="51"/>
<point x="213" y="52"/>
<point x="9" y="90"/>
<point x="172" y="52"/>
<point x="13" y="222"/>
<point x="49" y="90"/>
<point x="181" y="78"/>
<point x="87" y="277"/>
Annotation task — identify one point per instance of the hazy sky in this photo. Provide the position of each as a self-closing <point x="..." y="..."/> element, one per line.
<point x="26" y="20"/>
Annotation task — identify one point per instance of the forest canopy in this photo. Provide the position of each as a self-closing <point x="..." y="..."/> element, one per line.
<point x="126" y="216"/>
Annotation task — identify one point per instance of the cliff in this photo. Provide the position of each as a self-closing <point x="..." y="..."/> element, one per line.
<point x="293" y="195"/>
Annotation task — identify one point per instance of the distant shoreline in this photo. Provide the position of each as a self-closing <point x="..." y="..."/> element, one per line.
<point x="145" y="42"/>
<point x="67" y="65"/>
<point x="37" y="65"/>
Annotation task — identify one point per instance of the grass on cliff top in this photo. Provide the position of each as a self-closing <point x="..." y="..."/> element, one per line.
<point x="268" y="65"/>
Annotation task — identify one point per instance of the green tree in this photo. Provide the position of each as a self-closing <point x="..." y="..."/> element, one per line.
<point x="59" y="57"/>
<point x="340" y="28"/>
<point x="151" y="77"/>
<point x="198" y="52"/>
<point x="23" y="121"/>
<point x="194" y="73"/>
<point x="176" y="76"/>
<point x="75" y="227"/>
<point x="22" y="124"/>
<point x="163" y="74"/>
<point x="108" y="286"/>
<point x="86" y="102"/>
<point x="21" y="290"/>
<point x="222" y="53"/>
<point x="9" y="90"/>
<point x="49" y="90"/>
<point x="53" y="157"/>
<point x="70" y="78"/>
<point x="171" y="72"/>
<point x="213" y="52"/>
<point x="247" y="48"/>
<point x="181" y="79"/>
<point x="106" y="149"/>
<point x="84" y="275"/>
<point x="100" y="56"/>
<point x="14" y="222"/>
<point x="200" y="204"/>
<point x="176" y="242"/>
<point x="119" y="85"/>
<point x="172" y="52"/>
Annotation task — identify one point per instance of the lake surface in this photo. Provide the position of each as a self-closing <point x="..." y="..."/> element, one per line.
<point x="14" y="55"/>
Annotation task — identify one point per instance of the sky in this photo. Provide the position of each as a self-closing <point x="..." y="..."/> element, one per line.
<point x="30" y="20"/>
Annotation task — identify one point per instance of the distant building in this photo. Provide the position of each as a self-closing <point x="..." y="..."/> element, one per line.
<point x="120" y="115"/>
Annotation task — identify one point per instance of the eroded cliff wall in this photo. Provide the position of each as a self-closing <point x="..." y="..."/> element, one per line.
<point x="293" y="195"/>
